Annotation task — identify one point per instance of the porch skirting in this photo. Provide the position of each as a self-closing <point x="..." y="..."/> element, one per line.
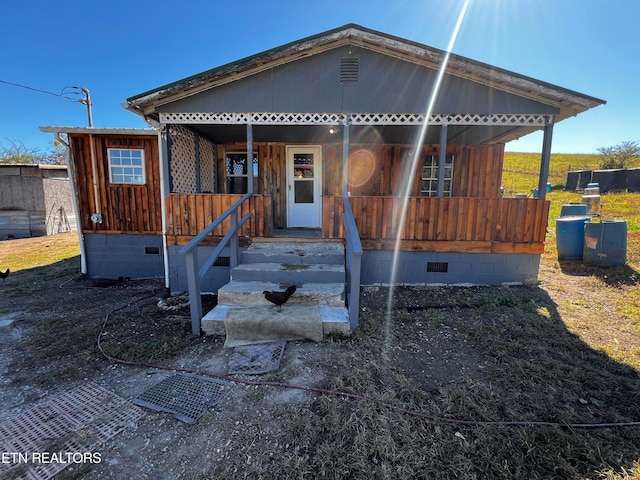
<point x="124" y="255"/>
<point x="449" y="268"/>
<point x="216" y="277"/>
<point x="414" y="268"/>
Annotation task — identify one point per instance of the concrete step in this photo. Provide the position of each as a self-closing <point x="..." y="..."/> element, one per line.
<point x="264" y="323"/>
<point x="250" y="294"/>
<point x="331" y="253"/>
<point x="289" y="273"/>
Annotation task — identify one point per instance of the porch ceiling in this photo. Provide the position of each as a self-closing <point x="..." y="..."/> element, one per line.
<point x="370" y="134"/>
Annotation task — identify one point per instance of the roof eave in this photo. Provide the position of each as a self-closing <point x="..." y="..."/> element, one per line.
<point x="569" y="102"/>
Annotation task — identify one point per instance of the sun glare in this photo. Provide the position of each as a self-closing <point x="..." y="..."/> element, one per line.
<point x="408" y="182"/>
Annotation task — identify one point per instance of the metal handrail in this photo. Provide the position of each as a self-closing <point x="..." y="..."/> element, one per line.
<point x="353" y="262"/>
<point x="195" y="274"/>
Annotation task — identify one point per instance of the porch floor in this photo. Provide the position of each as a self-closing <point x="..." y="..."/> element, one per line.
<point x="297" y="233"/>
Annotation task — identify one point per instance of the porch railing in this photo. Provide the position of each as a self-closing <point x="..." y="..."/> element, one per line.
<point x="190" y="250"/>
<point x="459" y="220"/>
<point x="353" y="262"/>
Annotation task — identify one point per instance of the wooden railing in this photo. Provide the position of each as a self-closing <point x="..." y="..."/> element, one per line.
<point x="198" y="217"/>
<point x="353" y="260"/>
<point x="189" y="214"/>
<point x="462" y="219"/>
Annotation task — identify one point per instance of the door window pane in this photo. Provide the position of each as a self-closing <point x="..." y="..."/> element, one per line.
<point x="303" y="191"/>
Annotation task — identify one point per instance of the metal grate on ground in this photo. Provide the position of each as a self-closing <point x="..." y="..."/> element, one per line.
<point x="186" y="396"/>
<point x="256" y="359"/>
<point x="72" y="422"/>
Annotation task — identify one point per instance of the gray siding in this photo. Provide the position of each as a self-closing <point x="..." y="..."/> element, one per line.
<point x="215" y="278"/>
<point x="386" y="85"/>
<point x="115" y="256"/>
<point x="463" y="268"/>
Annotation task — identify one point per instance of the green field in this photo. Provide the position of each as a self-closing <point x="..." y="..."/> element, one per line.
<point x="521" y="173"/>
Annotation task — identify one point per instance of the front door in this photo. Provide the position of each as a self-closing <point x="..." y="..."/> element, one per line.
<point x="304" y="186"/>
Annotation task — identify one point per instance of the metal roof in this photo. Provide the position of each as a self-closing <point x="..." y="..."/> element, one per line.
<point x="100" y="131"/>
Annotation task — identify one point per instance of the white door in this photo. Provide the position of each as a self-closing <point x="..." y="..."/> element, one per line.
<point x="304" y="186"/>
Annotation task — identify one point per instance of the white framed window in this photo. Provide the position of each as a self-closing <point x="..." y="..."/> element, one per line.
<point x="126" y="165"/>
<point x="429" y="185"/>
<point x="237" y="175"/>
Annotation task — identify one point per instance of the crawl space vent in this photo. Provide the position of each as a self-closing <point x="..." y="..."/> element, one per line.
<point x="349" y="70"/>
<point x="437" y="267"/>
<point x="222" y="262"/>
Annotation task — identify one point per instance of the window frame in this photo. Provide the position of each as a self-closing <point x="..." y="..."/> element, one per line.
<point x="142" y="166"/>
<point x="229" y="176"/>
<point x="432" y="178"/>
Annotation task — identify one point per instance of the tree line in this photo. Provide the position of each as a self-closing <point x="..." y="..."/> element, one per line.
<point x="17" y="153"/>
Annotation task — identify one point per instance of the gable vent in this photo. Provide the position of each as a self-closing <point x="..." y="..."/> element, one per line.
<point x="349" y="69"/>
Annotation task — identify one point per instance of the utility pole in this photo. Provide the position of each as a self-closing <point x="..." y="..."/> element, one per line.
<point x="87" y="102"/>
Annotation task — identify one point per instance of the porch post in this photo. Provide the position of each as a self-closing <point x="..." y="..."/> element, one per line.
<point x="345" y="156"/>
<point x="163" y="153"/>
<point x="442" y="158"/>
<point x="249" y="159"/>
<point x="546" y="158"/>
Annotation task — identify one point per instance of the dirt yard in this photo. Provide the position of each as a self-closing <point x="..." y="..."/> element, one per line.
<point x="432" y="345"/>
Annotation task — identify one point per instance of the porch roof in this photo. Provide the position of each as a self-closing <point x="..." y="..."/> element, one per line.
<point x="562" y="102"/>
<point x="99" y="131"/>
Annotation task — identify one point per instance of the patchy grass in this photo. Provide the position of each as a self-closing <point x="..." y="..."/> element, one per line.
<point x="36" y="252"/>
<point x="566" y="351"/>
<point x="536" y="370"/>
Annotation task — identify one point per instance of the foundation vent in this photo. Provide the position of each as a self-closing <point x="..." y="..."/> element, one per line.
<point x="349" y="70"/>
<point x="222" y="262"/>
<point x="437" y="267"/>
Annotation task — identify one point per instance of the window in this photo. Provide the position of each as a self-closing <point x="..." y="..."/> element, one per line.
<point x="236" y="168"/>
<point x="126" y="166"/>
<point x="429" y="186"/>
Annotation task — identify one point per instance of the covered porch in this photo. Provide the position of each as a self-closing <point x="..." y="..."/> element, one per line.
<point x="434" y="196"/>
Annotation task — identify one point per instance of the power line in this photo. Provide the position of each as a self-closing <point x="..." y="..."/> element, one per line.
<point x="62" y="94"/>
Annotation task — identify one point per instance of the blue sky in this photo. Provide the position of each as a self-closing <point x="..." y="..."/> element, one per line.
<point x="119" y="48"/>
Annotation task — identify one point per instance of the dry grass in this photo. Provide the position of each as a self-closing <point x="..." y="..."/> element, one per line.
<point x="565" y="351"/>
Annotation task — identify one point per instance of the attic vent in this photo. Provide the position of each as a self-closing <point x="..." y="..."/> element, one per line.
<point x="438" y="267"/>
<point x="349" y="69"/>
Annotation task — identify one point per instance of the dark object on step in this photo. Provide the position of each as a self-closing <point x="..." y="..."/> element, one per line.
<point x="279" y="298"/>
<point x="4" y="275"/>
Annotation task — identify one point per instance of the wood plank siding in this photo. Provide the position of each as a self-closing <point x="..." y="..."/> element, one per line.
<point x="460" y="224"/>
<point x="189" y="214"/>
<point x="125" y="208"/>
<point x="473" y="219"/>
<point x="373" y="170"/>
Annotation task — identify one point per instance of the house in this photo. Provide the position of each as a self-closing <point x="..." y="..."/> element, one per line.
<point x="35" y="200"/>
<point x="335" y="136"/>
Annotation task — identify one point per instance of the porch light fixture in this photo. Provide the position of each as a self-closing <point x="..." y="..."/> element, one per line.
<point x="333" y="130"/>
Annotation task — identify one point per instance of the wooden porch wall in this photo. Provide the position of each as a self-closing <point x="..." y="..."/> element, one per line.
<point x="124" y="208"/>
<point x="189" y="214"/>
<point x="383" y="170"/>
<point x="374" y="170"/>
<point x="462" y="224"/>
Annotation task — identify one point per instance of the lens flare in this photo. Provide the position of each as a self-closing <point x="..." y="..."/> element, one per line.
<point x="414" y="164"/>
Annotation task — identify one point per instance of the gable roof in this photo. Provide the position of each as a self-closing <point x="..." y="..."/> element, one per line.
<point x="567" y="102"/>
